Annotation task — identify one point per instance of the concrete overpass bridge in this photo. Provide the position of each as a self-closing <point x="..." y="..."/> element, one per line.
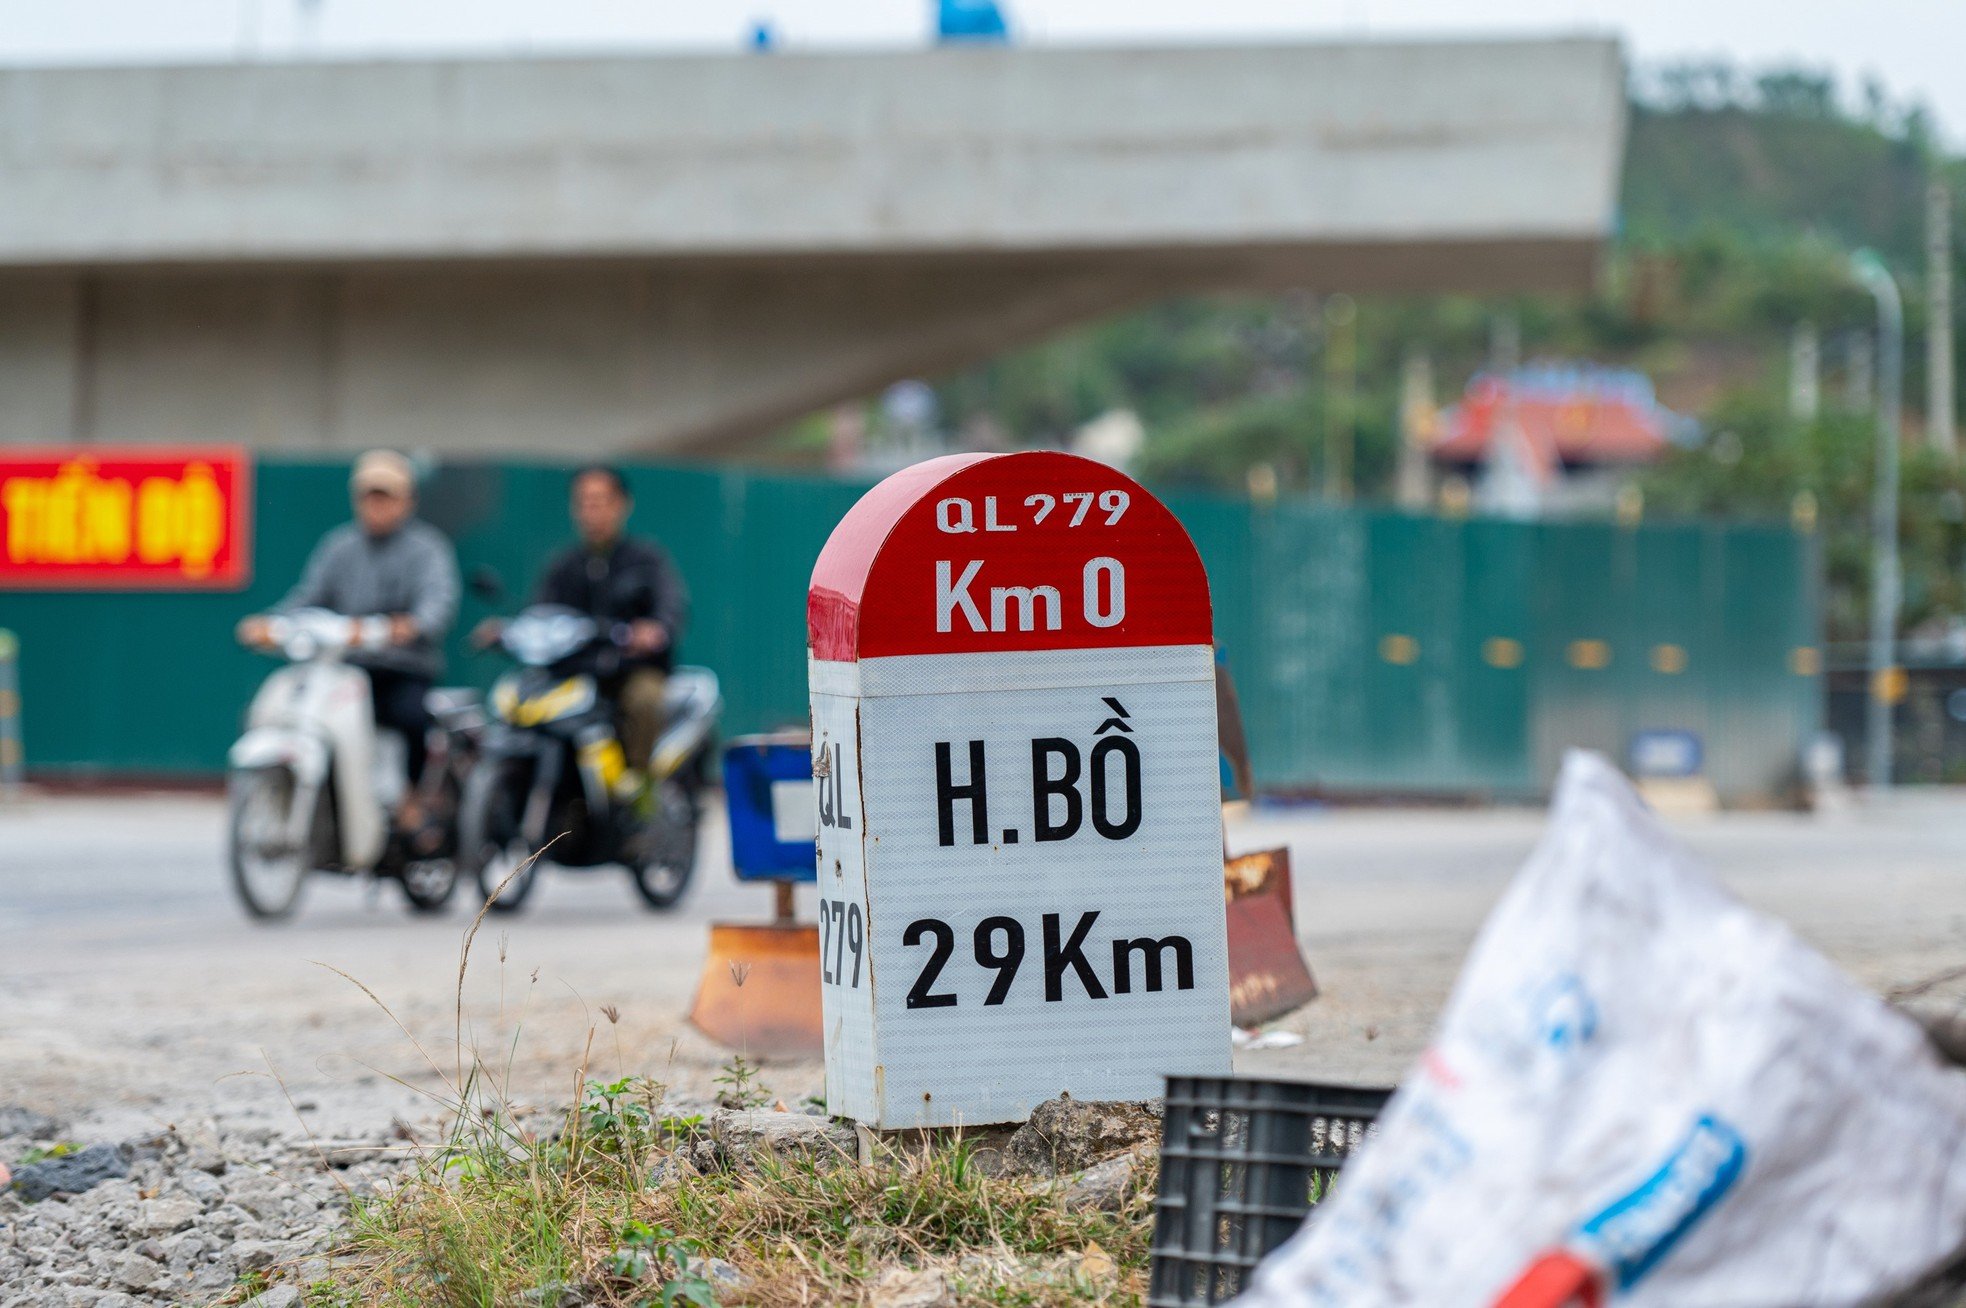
<point x="618" y="254"/>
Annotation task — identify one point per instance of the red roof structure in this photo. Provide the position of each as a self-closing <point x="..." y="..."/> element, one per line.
<point x="1565" y="417"/>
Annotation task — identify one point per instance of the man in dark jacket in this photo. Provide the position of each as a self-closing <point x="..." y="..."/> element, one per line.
<point x="623" y="582"/>
<point x="387" y="562"/>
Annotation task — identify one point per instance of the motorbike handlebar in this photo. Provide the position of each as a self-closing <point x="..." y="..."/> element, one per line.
<point x="309" y="633"/>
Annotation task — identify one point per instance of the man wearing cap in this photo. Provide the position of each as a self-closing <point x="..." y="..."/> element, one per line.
<point x="387" y="562"/>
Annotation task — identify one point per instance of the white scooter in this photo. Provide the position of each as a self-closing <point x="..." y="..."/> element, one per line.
<point x="313" y="782"/>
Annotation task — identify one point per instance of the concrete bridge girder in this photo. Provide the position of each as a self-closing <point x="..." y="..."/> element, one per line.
<point x="593" y="357"/>
<point x="497" y="358"/>
<point x="648" y="254"/>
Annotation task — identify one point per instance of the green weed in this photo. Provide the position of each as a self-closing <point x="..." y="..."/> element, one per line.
<point x="741" y="1087"/>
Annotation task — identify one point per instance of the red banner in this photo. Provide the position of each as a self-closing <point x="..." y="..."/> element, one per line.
<point x="125" y="518"/>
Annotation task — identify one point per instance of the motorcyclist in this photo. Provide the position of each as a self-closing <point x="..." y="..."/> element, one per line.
<point x="390" y="563"/>
<point x="628" y="583"/>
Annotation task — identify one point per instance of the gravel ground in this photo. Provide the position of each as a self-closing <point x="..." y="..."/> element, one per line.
<point x="186" y="1216"/>
<point x="142" y="1011"/>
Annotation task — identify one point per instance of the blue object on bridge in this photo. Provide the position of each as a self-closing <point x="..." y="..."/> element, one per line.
<point x="768" y="791"/>
<point x="970" y="20"/>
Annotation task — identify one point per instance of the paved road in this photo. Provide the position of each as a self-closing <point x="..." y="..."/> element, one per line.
<point x="131" y="983"/>
<point x="133" y="992"/>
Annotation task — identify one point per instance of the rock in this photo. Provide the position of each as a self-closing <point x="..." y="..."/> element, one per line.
<point x="135" y="1272"/>
<point x="743" y="1134"/>
<point x="182" y="1252"/>
<point x="280" y="1296"/>
<point x="259" y="1255"/>
<point x="17" y="1119"/>
<point x="231" y="1221"/>
<point x="205" y="1189"/>
<point x="147" y="1148"/>
<point x="719" y="1273"/>
<point x="163" y="1219"/>
<point x="670" y="1167"/>
<point x="166" y="1216"/>
<point x="201" y="1149"/>
<point x="71" y="1174"/>
<point x="262" y="1196"/>
<point x="114" y="1200"/>
<point x="903" y="1287"/>
<point x="1070" y="1135"/>
<point x="1106" y="1185"/>
<point x="213" y="1281"/>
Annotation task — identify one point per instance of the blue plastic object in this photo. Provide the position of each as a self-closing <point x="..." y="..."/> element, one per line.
<point x="768" y="789"/>
<point x="1667" y="753"/>
<point x="970" y="20"/>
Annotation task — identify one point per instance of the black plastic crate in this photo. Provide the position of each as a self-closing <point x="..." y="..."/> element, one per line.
<point x="1242" y="1161"/>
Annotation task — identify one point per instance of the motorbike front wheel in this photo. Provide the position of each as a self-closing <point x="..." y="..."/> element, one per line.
<point x="490" y="846"/>
<point x="428" y="883"/>
<point x="667" y="854"/>
<point x="268" y="866"/>
<point x="429" y="874"/>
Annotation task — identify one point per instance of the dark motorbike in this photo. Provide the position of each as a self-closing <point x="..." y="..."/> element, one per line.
<point x="549" y="781"/>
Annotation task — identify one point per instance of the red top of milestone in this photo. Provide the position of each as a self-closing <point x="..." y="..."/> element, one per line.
<point x="1029" y="551"/>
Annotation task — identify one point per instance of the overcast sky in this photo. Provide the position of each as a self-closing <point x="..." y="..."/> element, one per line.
<point x="1916" y="47"/>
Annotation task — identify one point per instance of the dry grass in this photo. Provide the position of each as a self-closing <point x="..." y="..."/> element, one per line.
<point x="610" y="1209"/>
<point x="606" y="1207"/>
<point x="804" y="1232"/>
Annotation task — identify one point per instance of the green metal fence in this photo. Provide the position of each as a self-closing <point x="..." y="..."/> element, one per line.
<point x="1374" y="651"/>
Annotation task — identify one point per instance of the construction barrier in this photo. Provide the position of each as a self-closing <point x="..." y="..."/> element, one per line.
<point x="13" y="762"/>
<point x="1374" y="651"/>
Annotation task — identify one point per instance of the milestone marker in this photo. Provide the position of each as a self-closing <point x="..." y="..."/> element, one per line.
<point x="1020" y="839"/>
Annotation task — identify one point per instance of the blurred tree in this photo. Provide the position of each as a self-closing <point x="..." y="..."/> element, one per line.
<point x="1742" y="196"/>
<point x="1757" y="459"/>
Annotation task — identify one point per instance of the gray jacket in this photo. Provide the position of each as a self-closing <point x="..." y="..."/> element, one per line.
<point x="412" y="570"/>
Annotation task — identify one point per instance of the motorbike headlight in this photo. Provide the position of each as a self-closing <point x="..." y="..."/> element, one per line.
<point x="505" y="700"/>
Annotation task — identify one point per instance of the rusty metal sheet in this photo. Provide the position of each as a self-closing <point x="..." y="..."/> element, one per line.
<point x="1268" y="976"/>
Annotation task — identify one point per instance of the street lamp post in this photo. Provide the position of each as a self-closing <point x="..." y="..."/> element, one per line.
<point x="1886" y="581"/>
